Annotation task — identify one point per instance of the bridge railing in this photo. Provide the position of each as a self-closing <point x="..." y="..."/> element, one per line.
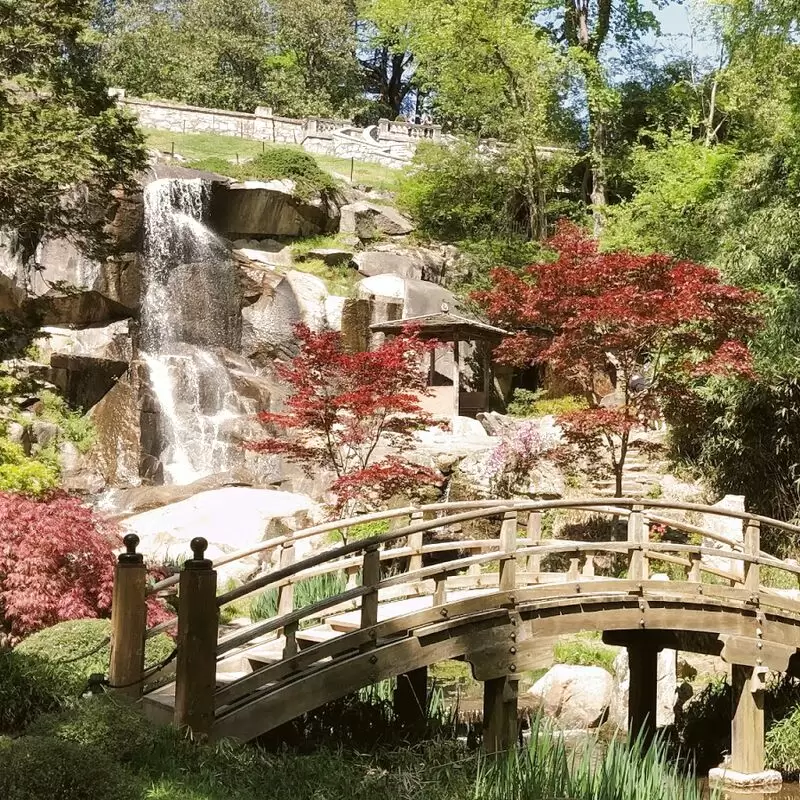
<point x="512" y="561"/>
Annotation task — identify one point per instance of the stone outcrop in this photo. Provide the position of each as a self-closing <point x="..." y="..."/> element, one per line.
<point x="112" y="341"/>
<point x="165" y="531"/>
<point x="256" y="209"/>
<point x="574" y="696"/>
<point x="415" y="263"/>
<point x="371" y="221"/>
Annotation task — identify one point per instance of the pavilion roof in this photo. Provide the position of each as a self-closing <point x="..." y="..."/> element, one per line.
<point x="444" y="325"/>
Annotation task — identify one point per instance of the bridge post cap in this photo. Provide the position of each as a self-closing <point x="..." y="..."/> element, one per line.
<point x="130" y="556"/>
<point x="199" y="545"/>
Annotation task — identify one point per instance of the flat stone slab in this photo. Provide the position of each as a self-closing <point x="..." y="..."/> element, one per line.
<point x="729" y="778"/>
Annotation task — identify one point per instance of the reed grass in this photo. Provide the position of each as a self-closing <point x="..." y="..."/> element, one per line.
<point x="618" y="770"/>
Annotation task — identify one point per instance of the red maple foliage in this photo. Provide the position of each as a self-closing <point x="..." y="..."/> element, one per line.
<point x="660" y="323"/>
<point x="56" y="563"/>
<point x="344" y="405"/>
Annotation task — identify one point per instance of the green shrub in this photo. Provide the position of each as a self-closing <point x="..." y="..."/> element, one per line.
<point x="783" y="745"/>
<point x="454" y="193"/>
<point x="52" y="649"/>
<point x="74" y="426"/>
<point x="527" y="403"/>
<point x="22" y="696"/>
<point x="36" y="767"/>
<point x="585" y="650"/>
<point x="30" y="477"/>
<point x="277" y="163"/>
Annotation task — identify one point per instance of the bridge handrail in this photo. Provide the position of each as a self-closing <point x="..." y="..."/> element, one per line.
<point x="621" y="506"/>
<point x="546" y="548"/>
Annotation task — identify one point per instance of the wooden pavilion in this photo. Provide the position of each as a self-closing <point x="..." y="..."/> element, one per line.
<point x="449" y="327"/>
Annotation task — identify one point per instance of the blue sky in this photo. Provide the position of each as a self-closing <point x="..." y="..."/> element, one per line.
<point x="676" y="30"/>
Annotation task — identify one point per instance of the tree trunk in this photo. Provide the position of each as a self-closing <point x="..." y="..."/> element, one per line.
<point x="618" y="471"/>
<point x="598" y="150"/>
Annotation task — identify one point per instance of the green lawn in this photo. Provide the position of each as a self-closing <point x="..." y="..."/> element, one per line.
<point x="198" y="146"/>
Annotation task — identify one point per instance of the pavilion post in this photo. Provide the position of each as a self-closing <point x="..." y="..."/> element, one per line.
<point x="456" y="375"/>
<point x="487" y="375"/>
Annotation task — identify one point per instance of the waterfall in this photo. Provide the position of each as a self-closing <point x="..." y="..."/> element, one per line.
<point x="190" y="315"/>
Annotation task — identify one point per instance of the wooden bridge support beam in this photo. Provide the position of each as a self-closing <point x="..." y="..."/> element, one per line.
<point x="747" y="721"/>
<point x="411" y="699"/>
<point x="128" y="620"/>
<point x="643" y="666"/>
<point x="500" y="727"/>
<point x="196" y="665"/>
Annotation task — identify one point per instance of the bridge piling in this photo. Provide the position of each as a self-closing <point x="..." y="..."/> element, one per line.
<point x="195" y="672"/>
<point x="500" y="714"/>
<point x="128" y="620"/>
<point x="643" y="666"/>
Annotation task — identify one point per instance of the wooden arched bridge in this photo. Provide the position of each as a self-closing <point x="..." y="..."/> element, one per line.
<point x="494" y="602"/>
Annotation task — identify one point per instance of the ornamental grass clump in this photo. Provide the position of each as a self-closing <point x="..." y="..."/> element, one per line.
<point x="619" y="770"/>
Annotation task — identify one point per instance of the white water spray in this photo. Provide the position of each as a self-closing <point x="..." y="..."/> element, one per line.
<point x="190" y="303"/>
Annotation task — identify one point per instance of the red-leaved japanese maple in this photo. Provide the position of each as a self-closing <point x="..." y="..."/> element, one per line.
<point x="344" y="405"/>
<point x="662" y="324"/>
<point x="56" y="563"/>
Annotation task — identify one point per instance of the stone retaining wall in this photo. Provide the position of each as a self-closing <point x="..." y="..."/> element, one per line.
<point x="391" y="144"/>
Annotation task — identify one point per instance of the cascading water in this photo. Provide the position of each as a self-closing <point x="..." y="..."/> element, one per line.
<point x="190" y="305"/>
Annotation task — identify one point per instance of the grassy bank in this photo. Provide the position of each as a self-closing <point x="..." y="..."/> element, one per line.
<point x="203" y="146"/>
<point x="105" y="748"/>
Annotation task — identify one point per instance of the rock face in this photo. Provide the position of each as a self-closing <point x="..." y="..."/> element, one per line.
<point x="415" y="264"/>
<point x="259" y="209"/>
<point x="574" y="696"/>
<point x="370" y="221"/>
<point x="728" y="527"/>
<point x="232" y="519"/>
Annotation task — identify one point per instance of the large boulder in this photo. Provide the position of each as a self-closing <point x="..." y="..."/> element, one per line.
<point x="371" y="221"/>
<point x="68" y="272"/>
<point x="666" y="689"/>
<point x="416" y="263"/>
<point x="165" y="532"/>
<point x="112" y="341"/>
<point x="268" y="324"/>
<point x="728" y="527"/>
<point x="574" y="696"/>
<point x="418" y="297"/>
<point x="257" y="209"/>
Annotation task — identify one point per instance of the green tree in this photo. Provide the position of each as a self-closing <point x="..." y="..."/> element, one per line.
<point x="206" y="52"/>
<point x="316" y="46"/>
<point x="58" y="126"/>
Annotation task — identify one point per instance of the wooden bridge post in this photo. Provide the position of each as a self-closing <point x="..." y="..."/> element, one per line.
<point x="500" y="714"/>
<point x="411" y="699"/>
<point x="508" y="545"/>
<point x="415" y="542"/>
<point x="370" y="577"/>
<point x="752" y="547"/>
<point x="195" y="671"/>
<point x="643" y="666"/>
<point x="637" y="563"/>
<point x="286" y="592"/>
<point x="128" y="620"/>
<point x="747" y="724"/>
<point x="534" y="533"/>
